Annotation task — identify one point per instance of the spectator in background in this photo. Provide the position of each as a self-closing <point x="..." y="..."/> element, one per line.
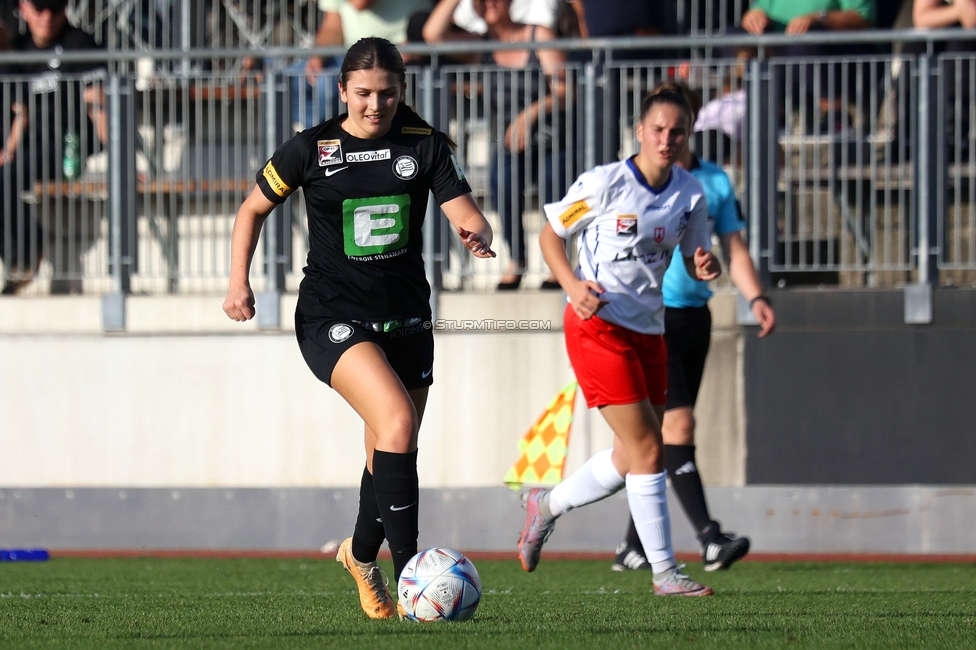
<point x="45" y="109"/>
<point x="803" y="16"/>
<point x="527" y="12"/>
<point x="938" y="14"/>
<point x="719" y="127"/>
<point x="515" y="162"/>
<point x="798" y="17"/>
<point x="610" y="18"/>
<point x="10" y="249"/>
<point x="343" y="23"/>
<point x="616" y="19"/>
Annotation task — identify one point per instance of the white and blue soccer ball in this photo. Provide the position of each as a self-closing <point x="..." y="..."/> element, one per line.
<point x="439" y="584"/>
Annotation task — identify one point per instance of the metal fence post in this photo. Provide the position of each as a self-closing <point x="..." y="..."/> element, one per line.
<point x="590" y="130"/>
<point x="268" y="302"/>
<point x="121" y="198"/>
<point x="761" y="206"/>
<point x="432" y="267"/>
<point x="928" y="171"/>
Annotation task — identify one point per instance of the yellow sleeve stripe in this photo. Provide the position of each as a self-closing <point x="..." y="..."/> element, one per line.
<point x="574" y="214"/>
<point x="277" y="185"/>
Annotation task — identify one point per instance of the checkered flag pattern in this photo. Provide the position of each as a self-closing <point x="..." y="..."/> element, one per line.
<point x="542" y="456"/>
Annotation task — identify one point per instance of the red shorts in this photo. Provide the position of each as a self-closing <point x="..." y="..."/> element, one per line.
<point x="615" y="365"/>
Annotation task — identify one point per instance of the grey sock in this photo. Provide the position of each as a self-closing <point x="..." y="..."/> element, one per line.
<point x="544" y="508"/>
<point x="664" y="575"/>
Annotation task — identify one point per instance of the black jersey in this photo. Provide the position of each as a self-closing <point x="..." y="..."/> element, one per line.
<point x="366" y="201"/>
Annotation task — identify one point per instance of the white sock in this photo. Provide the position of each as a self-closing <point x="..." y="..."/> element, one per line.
<point x="596" y="479"/>
<point x="649" y="508"/>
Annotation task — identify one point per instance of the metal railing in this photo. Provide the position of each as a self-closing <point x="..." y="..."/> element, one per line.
<point x="866" y="189"/>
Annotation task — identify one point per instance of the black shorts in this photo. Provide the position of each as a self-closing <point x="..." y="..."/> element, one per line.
<point x="408" y="345"/>
<point x="687" y="334"/>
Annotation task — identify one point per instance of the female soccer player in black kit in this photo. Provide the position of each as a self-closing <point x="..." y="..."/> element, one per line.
<point x="363" y="315"/>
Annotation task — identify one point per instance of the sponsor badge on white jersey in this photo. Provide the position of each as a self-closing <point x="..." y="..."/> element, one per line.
<point x="627" y="224"/>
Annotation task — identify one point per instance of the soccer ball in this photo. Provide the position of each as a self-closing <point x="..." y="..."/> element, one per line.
<point x="439" y="585"/>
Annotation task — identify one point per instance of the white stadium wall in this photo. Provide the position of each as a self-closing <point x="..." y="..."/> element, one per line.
<point x="192" y="432"/>
<point x="198" y="404"/>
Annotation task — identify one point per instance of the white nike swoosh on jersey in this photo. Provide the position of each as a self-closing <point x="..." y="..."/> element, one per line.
<point x="398" y="509"/>
<point x="425" y="375"/>
<point x="330" y="171"/>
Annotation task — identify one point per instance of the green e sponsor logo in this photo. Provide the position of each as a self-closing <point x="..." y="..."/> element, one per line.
<point x="375" y="225"/>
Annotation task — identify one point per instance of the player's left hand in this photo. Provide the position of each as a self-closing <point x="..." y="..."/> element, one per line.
<point x="707" y="266"/>
<point x="476" y="243"/>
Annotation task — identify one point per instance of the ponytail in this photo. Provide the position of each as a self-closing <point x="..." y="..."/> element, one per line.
<point x="669" y="92"/>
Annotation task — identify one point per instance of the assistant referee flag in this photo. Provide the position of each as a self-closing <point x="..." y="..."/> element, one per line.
<point x="543" y="447"/>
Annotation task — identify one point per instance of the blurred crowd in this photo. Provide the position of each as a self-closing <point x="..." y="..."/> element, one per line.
<point x="527" y="105"/>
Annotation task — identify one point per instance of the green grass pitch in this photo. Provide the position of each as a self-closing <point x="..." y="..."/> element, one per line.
<point x="311" y="603"/>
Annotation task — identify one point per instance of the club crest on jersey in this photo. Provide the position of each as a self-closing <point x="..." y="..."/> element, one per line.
<point x="330" y="153"/>
<point x="626" y="224"/>
<point x="367" y="156"/>
<point x="340" y="332"/>
<point x="405" y="167"/>
<point x="659" y="234"/>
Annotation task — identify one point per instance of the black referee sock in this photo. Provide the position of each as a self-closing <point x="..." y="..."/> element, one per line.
<point x="397" y="494"/>
<point x="632" y="538"/>
<point x="679" y="461"/>
<point x="369" y="536"/>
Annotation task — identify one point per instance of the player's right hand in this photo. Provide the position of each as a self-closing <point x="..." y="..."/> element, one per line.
<point x="585" y="298"/>
<point x="239" y="304"/>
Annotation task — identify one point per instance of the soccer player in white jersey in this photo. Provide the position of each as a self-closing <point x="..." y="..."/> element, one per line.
<point x="628" y="217"/>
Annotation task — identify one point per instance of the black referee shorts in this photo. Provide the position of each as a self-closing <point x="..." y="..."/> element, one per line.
<point x="408" y="345"/>
<point x="687" y="334"/>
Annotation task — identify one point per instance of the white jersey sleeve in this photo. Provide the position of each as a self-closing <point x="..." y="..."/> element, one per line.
<point x="582" y="204"/>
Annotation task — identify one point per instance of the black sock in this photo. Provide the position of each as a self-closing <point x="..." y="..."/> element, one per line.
<point x="369" y="536"/>
<point x="632" y="538"/>
<point x="397" y="494"/>
<point x="679" y="461"/>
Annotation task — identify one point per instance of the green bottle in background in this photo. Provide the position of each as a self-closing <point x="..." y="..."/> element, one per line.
<point x="72" y="156"/>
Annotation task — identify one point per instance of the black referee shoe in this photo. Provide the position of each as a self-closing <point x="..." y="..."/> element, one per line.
<point x="629" y="558"/>
<point x="723" y="550"/>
